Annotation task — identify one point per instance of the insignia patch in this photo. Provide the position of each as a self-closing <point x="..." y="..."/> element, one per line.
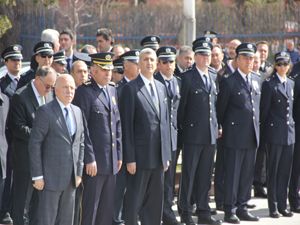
<point x="15" y="48"/>
<point x="249" y="46"/>
<point x="207" y="39"/>
<point x="137" y="53"/>
<point x="113" y="99"/>
<point x="46" y="45"/>
<point x="153" y="38"/>
<point x="108" y="57"/>
<point x="168" y="50"/>
<point x="205" y="45"/>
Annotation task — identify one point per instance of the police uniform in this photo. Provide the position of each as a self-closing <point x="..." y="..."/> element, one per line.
<point x="118" y="217"/>
<point x="42" y="48"/>
<point x="8" y="85"/>
<point x="172" y="86"/>
<point x="103" y="144"/>
<point x="277" y="125"/>
<point x="197" y="116"/>
<point x="151" y="41"/>
<point x="238" y="115"/>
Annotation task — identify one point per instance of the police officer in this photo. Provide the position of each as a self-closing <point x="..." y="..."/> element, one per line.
<point x="43" y="56"/>
<point x="277" y="125"/>
<point x="151" y="41"/>
<point x="238" y="115"/>
<point x="12" y="57"/>
<point x="117" y="72"/>
<point x="197" y="116"/>
<point x="59" y="62"/>
<point x="166" y="66"/>
<point x="103" y="152"/>
<point x="130" y="61"/>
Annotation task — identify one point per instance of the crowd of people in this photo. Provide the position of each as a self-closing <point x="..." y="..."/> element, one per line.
<point x="93" y="137"/>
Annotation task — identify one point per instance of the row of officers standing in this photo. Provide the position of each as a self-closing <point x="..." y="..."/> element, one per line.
<point x="100" y="154"/>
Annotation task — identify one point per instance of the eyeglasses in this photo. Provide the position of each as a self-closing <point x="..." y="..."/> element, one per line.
<point x="46" y="86"/>
<point x="166" y="62"/>
<point x="48" y="56"/>
<point x="282" y="64"/>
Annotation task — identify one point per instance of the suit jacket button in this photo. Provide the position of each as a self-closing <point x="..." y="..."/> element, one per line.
<point x="271" y="124"/>
<point x="253" y="109"/>
<point x="279" y="100"/>
<point x="288" y="122"/>
<point x="210" y="119"/>
<point x="287" y="108"/>
<point x="192" y="125"/>
<point x="287" y="115"/>
<point x="232" y="123"/>
<point x="253" y="117"/>
<point x="113" y="145"/>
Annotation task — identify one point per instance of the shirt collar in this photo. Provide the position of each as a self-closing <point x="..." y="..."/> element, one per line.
<point x="146" y="80"/>
<point x="126" y="78"/>
<point x="102" y="87"/>
<point x="13" y="77"/>
<point x="165" y="77"/>
<point x="35" y="91"/>
<point x="282" y="80"/>
<point x="201" y="72"/>
<point x="245" y="76"/>
<point x="62" y="106"/>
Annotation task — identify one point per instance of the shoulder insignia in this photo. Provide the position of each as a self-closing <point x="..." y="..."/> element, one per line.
<point x="112" y="84"/>
<point x="87" y="83"/>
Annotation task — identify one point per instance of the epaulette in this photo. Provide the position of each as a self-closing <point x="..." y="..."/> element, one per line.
<point x="177" y="77"/>
<point x="213" y="70"/>
<point x="112" y="84"/>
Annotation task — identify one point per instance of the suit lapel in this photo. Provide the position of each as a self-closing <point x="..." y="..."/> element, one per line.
<point x="77" y="119"/>
<point x="243" y="82"/>
<point x="161" y="99"/>
<point x="145" y="92"/>
<point x="61" y="119"/>
<point x="198" y="80"/>
<point x="100" y="94"/>
<point x="31" y="94"/>
<point x="281" y="88"/>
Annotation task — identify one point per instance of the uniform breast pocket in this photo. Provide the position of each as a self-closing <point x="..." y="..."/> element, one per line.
<point x="197" y="91"/>
<point x="98" y="110"/>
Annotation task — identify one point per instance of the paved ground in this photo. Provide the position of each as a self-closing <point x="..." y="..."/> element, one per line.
<point x="261" y="210"/>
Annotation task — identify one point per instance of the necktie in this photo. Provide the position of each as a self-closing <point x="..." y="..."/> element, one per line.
<point x="207" y="86"/>
<point x="68" y="64"/>
<point x="284" y="85"/>
<point x="68" y="121"/>
<point x="169" y="88"/>
<point x="248" y="83"/>
<point x="106" y="95"/>
<point x="154" y="98"/>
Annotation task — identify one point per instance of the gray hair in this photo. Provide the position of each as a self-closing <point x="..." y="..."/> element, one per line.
<point x="50" y="35"/>
<point x="44" y="71"/>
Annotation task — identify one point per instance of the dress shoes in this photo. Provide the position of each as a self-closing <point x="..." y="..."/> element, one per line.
<point x="274" y="214"/>
<point x="187" y="220"/>
<point x="231" y="218"/>
<point x="250" y="206"/>
<point x="260" y="193"/>
<point x="246" y="216"/>
<point x="171" y="222"/>
<point x="6" y="219"/>
<point x="286" y="213"/>
<point x="208" y="220"/>
<point x="212" y="212"/>
<point x="295" y="209"/>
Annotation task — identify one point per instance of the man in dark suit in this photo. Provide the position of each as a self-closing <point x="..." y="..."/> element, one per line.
<point x="24" y="104"/>
<point x="146" y="142"/>
<point x="56" y="149"/>
<point x="166" y="65"/>
<point x="184" y="60"/>
<point x="43" y="56"/>
<point x="238" y="115"/>
<point x="131" y="71"/>
<point x="103" y="156"/>
<point x="66" y="41"/>
<point x="12" y="57"/>
<point x="4" y="105"/>
<point x="197" y="116"/>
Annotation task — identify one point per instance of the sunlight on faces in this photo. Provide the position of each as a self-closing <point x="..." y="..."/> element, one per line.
<point x="202" y="61"/>
<point x="44" y="60"/>
<point x="100" y="75"/>
<point x="13" y="66"/>
<point x="263" y="49"/>
<point x="282" y="68"/>
<point x="166" y="67"/>
<point x="185" y="60"/>
<point x="65" y="41"/>
<point x="216" y="57"/>
<point x="79" y="72"/>
<point x="147" y="61"/>
<point x="65" y="88"/>
<point x="102" y="44"/>
<point x="245" y="63"/>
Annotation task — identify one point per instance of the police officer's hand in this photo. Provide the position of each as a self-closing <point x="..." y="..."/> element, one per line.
<point x="39" y="184"/>
<point x="131" y="168"/>
<point x="91" y="169"/>
<point x="119" y="165"/>
<point x="78" y="180"/>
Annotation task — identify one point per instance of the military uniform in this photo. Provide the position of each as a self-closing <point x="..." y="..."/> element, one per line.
<point x="277" y="125"/>
<point x="197" y="116"/>
<point x="103" y="145"/>
<point x="151" y="41"/>
<point x="238" y="115"/>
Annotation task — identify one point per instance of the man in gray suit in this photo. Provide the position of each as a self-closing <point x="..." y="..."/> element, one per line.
<point x="24" y="104"/>
<point x="56" y="149"/>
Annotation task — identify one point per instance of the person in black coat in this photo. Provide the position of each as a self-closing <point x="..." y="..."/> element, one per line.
<point x="197" y="116"/>
<point x="238" y="116"/>
<point x="166" y="65"/>
<point x="146" y="142"/>
<point x="103" y="150"/>
<point x="12" y="57"/>
<point x="277" y="126"/>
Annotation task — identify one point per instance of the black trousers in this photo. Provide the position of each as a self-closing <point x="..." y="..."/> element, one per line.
<point x="294" y="197"/>
<point x="98" y="199"/>
<point x="144" y="197"/>
<point x="280" y="158"/>
<point x="121" y="181"/>
<point x="168" y="213"/>
<point x="197" y="167"/>
<point x="219" y="174"/>
<point x="260" y="171"/>
<point x="239" y="169"/>
<point x="78" y="205"/>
